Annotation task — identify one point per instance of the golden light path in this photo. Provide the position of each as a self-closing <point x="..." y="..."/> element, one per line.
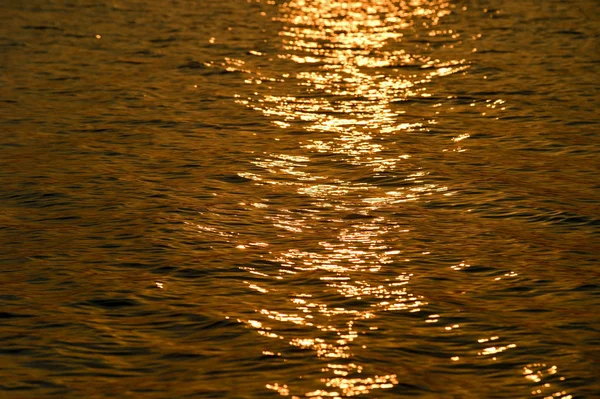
<point x="343" y="45"/>
<point x="341" y="54"/>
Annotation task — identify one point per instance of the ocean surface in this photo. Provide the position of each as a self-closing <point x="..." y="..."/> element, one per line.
<point x="303" y="199"/>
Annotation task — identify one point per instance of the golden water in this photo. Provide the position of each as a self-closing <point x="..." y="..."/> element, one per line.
<point x="312" y="198"/>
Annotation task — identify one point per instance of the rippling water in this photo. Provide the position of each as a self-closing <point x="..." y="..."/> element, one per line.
<point x="311" y="198"/>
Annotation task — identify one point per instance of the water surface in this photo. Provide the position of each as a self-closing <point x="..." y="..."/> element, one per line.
<point x="311" y="198"/>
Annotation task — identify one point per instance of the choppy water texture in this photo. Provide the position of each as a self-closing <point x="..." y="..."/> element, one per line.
<point x="312" y="198"/>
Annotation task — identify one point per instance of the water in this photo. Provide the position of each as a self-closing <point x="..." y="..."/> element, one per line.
<point x="324" y="199"/>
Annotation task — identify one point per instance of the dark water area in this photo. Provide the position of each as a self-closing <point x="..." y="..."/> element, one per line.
<point x="303" y="199"/>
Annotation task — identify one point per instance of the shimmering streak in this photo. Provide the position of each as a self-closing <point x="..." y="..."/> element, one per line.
<point x="350" y="78"/>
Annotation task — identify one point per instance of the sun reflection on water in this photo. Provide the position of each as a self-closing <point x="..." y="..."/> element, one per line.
<point x="351" y="75"/>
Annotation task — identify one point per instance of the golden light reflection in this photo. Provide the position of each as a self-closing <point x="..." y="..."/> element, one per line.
<point x="344" y="76"/>
<point x="538" y="374"/>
